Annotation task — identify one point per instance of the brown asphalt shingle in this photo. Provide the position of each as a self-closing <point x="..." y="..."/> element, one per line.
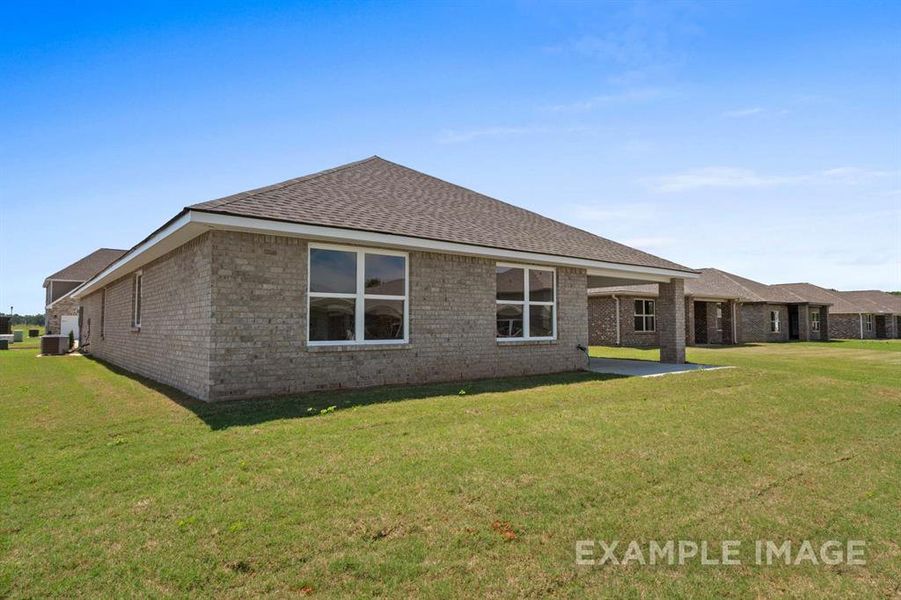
<point x="87" y="267"/>
<point x="377" y="195"/>
<point x="714" y="283"/>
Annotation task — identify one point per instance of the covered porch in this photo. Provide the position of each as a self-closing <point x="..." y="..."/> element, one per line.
<point x="669" y="315"/>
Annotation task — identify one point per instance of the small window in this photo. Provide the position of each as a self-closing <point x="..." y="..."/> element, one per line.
<point x="645" y="315"/>
<point x="815" y="319"/>
<point x="719" y="317"/>
<point x="356" y="296"/>
<point x="526" y="302"/>
<point x="775" y="325"/>
<point x="868" y="322"/>
<point x="137" y="293"/>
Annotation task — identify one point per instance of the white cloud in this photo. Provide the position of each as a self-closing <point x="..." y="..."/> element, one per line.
<point x="732" y="177"/>
<point x="743" y="112"/>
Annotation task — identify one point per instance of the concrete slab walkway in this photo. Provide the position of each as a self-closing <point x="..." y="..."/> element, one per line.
<point x="643" y="368"/>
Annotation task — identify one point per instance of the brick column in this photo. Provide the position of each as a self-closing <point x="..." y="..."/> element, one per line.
<point x="728" y="310"/>
<point x="689" y="321"/>
<point x="671" y="321"/>
<point x="803" y="323"/>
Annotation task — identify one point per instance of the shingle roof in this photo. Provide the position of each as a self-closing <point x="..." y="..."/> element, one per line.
<point x="714" y="283"/>
<point x="816" y="293"/>
<point x="875" y="301"/>
<point x="377" y="195"/>
<point x="852" y="302"/>
<point x="87" y="267"/>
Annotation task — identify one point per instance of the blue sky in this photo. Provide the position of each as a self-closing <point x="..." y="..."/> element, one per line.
<point x="762" y="138"/>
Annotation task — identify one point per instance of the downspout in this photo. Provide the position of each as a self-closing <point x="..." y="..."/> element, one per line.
<point x="616" y="300"/>
<point x="860" y="317"/>
<point x="734" y="324"/>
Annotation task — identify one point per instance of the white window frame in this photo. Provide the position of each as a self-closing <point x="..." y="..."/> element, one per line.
<point x="868" y="322"/>
<point x="814" y="319"/>
<point x="525" y="302"/>
<point x="360" y="296"/>
<point x="137" y="299"/>
<point x="775" y="322"/>
<point x="718" y="315"/>
<point x="645" y="315"/>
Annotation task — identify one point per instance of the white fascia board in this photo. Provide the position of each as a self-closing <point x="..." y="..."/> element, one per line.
<point x="354" y="236"/>
<point x="193" y="223"/>
<point x="177" y="233"/>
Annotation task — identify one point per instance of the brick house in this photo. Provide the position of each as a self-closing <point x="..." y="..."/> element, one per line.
<point x="367" y="274"/>
<point x="720" y="308"/>
<point x="861" y="314"/>
<point x="59" y="306"/>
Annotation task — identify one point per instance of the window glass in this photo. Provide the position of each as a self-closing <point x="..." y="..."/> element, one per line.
<point x="510" y="284"/>
<point x="509" y="320"/>
<point x="541" y="320"/>
<point x="384" y="319"/>
<point x="333" y="271"/>
<point x="541" y="286"/>
<point x="332" y="319"/>
<point x="385" y="275"/>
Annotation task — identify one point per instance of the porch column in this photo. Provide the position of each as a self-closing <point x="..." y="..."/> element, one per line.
<point x="728" y="326"/>
<point x="803" y="323"/>
<point x="689" y="321"/>
<point x="671" y="320"/>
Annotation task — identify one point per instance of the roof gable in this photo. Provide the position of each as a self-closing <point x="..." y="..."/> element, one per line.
<point x="380" y="196"/>
<point x="85" y="268"/>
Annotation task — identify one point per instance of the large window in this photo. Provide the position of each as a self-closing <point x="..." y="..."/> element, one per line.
<point x="645" y="315"/>
<point x="775" y="325"/>
<point x="868" y="322"/>
<point x="357" y="296"/>
<point x="137" y="293"/>
<point x="526" y="303"/>
<point x="815" y="319"/>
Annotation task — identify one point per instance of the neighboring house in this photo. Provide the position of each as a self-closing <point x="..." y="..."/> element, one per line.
<point x="720" y="308"/>
<point x="367" y="274"/>
<point x="861" y="314"/>
<point x="60" y="309"/>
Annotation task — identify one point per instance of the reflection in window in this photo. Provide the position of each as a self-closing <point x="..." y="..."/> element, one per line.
<point x="525" y="302"/>
<point x="384" y="319"/>
<point x="343" y="310"/>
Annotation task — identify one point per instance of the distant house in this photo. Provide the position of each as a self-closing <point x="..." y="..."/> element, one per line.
<point x="60" y="309"/>
<point x="720" y="308"/>
<point x="861" y="314"/>
<point x="367" y="274"/>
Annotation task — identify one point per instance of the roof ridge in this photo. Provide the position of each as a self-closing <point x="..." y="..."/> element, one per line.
<point x="283" y="184"/>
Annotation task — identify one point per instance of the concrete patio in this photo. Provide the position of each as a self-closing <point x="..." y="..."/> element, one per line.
<point x="643" y="368"/>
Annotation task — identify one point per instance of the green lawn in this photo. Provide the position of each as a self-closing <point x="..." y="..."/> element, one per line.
<point x="27" y="343"/>
<point x="111" y="487"/>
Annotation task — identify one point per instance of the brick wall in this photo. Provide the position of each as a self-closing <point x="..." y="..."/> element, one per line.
<point x="258" y="339"/>
<point x="601" y="321"/>
<point x="754" y="323"/>
<point x="172" y="345"/>
<point x="53" y="314"/>
<point x="846" y="326"/>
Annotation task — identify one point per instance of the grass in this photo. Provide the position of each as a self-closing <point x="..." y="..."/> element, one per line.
<point x="27" y="343"/>
<point x="112" y="486"/>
